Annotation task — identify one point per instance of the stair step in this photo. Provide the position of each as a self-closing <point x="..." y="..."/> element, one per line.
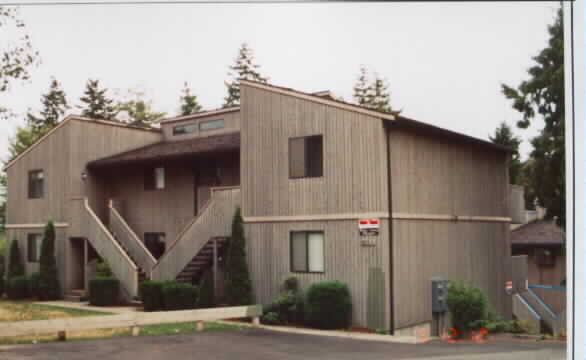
<point x="77" y="292"/>
<point x="73" y="298"/>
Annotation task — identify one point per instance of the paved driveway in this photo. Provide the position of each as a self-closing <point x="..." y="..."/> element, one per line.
<point x="259" y="344"/>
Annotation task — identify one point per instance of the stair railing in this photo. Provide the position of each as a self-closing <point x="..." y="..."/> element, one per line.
<point x="213" y="221"/>
<point x="129" y="240"/>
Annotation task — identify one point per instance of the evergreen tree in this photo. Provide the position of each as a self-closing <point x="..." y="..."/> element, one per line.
<point x="49" y="288"/>
<point x="503" y="135"/>
<point x="238" y="289"/>
<point x="140" y="112"/>
<point x="379" y="98"/>
<point x="15" y="265"/>
<point x="362" y="88"/>
<point x="54" y="106"/>
<point x="97" y="105"/>
<point x="543" y="94"/>
<point x="244" y="68"/>
<point x="188" y="102"/>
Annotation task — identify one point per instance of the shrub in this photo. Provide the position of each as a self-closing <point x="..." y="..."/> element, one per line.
<point x="291" y="284"/>
<point x="49" y="287"/>
<point x="104" y="291"/>
<point x="238" y="287"/>
<point x="328" y="305"/>
<point x="1" y="273"/>
<point x="34" y="289"/>
<point x="288" y="307"/>
<point x="18" y="288"/>
<point x="206" y="298"/>
<point x="151" y="294"/>
<point x="15" y="266"/>
<point x="271" y="318"/>
<point x="467" y="305"/>
<point x="103" y="269"/>
<point x="1" y="286"/>
<point x="179" y="296"/>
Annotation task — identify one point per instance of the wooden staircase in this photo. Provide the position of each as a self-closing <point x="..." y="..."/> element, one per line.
<point x="203" y="260"/>
<point x="142" y="276"/>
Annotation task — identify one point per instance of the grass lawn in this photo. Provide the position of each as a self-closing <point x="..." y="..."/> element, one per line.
<point x="149" y="330"/>
<point x="25" y="310"/>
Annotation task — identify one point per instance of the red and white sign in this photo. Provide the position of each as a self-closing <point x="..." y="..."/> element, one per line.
<point x="368" y="226"/>
<point x="509" y="287"/>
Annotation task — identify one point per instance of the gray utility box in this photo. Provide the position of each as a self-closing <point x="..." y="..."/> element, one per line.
<point x="439" y="295"/>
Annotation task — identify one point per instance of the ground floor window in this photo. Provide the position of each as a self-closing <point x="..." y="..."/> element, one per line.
<point x="307" y="251"/>
<point x="33" y="248"/>
<point x="155" y="243"/>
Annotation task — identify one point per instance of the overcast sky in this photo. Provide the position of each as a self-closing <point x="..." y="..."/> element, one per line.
<point x="444" y="62"/>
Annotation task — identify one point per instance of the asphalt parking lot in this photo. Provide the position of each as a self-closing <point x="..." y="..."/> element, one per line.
<point x="259" y="344"/>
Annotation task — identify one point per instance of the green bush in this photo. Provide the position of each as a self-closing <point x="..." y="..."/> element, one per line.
<point x="288" y="307"/>
<point x="18" y="288"/>
<point x="104" y="291"/>
<point x="49" y="287"/>
<point x="467" y="305"/>
<point x="291" y="284"/>
<point x="206" y="297"/>
<point x="328" y="305"/>
<point x="1" y="272"/>
<point x="271" y="318"/>
<point x="2" y="287"/>
<point x="103" y="269"/>
<point x="179" y="296"/>
<point x="238" y="287"/>
<point x="15" y="265"/>
<point x="34" y="284"/>
<point x="151" y="295"/>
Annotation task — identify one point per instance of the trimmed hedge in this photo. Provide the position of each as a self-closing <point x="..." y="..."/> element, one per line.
<point x="1" y="286"/>
<point x="35" y="290"/>
<point x="151" y="294"/>
<point x="104" y="291"/>
<point x="179" y="296"/>
<point x="18" y="288"/>
<point x="328" y="305"/>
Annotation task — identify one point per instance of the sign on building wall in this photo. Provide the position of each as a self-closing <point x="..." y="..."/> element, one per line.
<point x="368" y="227"/>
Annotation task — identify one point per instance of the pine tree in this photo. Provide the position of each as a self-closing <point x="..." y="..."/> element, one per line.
<point x="97" y="105"/>
<point x="379" y="98"/>
<point x="49" y="288"/>
<point x="362" y="87"/>
<point x="244" y="68"/>
<point x="54" y="107"/>
<point x="542" y="95"/>
<point x="503" y="135"/>
<point x="238" y="289"/>
<point x="15" y="265"/>
<point x="188" y="102"/>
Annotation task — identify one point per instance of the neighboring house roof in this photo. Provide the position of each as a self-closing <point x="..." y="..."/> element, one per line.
<point x="539" y="232"/>
<point x="173" y="149"/>
<point x="79" y="118"/>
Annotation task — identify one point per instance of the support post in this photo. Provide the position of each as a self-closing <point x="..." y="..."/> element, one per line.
<point x="61" y="335"/>
<point x="135" y="330"/>
<point x="199" y="326"/>
<point x="215" y="267"/>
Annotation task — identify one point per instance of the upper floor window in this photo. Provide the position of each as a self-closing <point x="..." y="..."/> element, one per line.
<point x="211" y="125"/>
<point x="306" y="156"/>
<point x="33" y="248"/>
<point x="154" y="178"/>
<point x="36" y="184"/>
<point x="184" y="129"/>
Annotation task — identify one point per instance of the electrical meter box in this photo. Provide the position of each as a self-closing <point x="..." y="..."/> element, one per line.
<point x="439" y="295"/>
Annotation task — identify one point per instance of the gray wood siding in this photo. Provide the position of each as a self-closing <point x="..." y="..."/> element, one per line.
<point x="363" y="268"/>
<point x="354" y="176"/>
<point x="471" y="251"/>
<point x="433" y="176"/>
<point x="231" y="124"/>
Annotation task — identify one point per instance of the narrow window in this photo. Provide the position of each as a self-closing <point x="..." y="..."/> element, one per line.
<point x="36" y="184"/>
<point x="155" y="243"/>
<point x="306" y="157"/>
<point x="33" y="249"/>
<point x="184" y="129"/>
<point x="211" y="125"/>
<point x="154" y="178"/>
<point x="307" y="251"/>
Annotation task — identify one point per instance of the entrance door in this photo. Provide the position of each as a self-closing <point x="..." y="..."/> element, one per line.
<point x="77" y="263"/>
<point x="206" y="177"/>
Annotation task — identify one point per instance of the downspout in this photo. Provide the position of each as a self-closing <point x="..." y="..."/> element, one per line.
<point x="386" y="125"/>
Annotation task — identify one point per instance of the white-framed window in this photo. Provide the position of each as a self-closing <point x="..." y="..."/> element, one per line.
<point x="211" y="125"/>
<point x="307" y="251"/>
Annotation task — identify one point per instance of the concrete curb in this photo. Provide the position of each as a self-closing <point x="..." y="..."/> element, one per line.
<point x="332" y="333"/>
<point x="86" y="306"/>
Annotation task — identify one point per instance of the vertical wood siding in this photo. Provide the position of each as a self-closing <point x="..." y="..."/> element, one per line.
<point x="231" y="124"/>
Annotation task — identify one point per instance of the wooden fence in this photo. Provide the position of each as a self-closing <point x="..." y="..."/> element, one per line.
<point x="132" y="320"/>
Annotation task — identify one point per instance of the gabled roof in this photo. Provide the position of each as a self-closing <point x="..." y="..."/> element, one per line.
<point x="79" y="118"/>
<point x="540" y="232"/>
<point x="172" y="149"/>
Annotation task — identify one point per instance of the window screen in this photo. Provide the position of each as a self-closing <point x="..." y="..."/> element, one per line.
<point x="307" y="251"/>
